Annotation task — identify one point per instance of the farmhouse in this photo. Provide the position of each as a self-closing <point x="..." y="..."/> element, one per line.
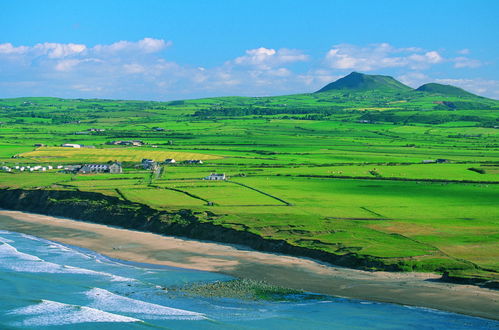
<point x="136" y="143"/>
<point x="149" y="164"/>
<point x="72" y="168"/>
<point x="101" y="168"/>
<point x="193" y="161"/>
<point x="216" y="177"/>
<point x="158" y="129"/>
<point x="96" y="130"/>
<point x="39" y="145"/>
<point x="169" y="161"/>
<point x="71" y="145"/>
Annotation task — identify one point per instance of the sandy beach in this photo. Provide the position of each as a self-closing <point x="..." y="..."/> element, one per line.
<point x="414" y="289"/>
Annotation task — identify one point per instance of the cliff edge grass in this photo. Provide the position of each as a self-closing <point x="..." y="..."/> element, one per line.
<point x="107" y="210"/>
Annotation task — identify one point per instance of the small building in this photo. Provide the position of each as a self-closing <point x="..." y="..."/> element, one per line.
<point x="169" y="161"/>
<point x="216" y="177"/>
<point x="441" y="161"/>
<point x="94" y="168"/>
<point x="429" y="161"/>
<point x="136" y="143"/>
<point x="71" y="145"/>
<point x="39" y="145"/>
<point x="72" y="168"/>
<point x="148" y="164"/>
<point x="193" y="161"/>
<point x="96" y="130"/>
<point x="158" y="129"/>
<point x="113" y="168"/>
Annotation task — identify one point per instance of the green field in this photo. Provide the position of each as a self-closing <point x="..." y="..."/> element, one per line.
<point x="339" y="171"/>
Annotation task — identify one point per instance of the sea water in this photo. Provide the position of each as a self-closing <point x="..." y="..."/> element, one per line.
<point x="46" y="285"/>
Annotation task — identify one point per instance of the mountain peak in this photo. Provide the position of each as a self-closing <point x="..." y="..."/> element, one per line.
<point x="447" y="90"/>
<point x="357" y="81"/>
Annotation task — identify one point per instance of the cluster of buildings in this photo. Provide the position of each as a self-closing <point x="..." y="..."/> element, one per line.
<point x="136" y="143"/>
<point x="29" y="168"/>
<point x="74" y="145"/>
<point x="113" y="168"/>
<point x="438" y="161"/>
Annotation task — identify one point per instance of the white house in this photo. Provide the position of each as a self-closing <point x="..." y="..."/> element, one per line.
<point x="71" y="145"/>
<point x="216" y="176"/>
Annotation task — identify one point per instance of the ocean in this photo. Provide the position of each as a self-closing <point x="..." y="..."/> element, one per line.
<point x="47" y="285"/>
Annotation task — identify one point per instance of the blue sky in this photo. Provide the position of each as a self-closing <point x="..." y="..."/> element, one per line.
<point x="164" y="50"/>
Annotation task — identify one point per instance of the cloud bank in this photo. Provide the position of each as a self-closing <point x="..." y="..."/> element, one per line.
<point x="141" y="70"/>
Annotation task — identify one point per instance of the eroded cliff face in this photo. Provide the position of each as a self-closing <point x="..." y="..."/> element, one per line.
<point x="98" y="208"/>
<point x="94" y="207"/>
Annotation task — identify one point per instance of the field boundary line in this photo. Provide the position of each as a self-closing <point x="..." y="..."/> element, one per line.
<point x="392" y="179"/>
<point x="183" y="192"/>
<point x="261" y="192"/>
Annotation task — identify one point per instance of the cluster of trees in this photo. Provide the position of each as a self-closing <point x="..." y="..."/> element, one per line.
<point x="267" y="111"/>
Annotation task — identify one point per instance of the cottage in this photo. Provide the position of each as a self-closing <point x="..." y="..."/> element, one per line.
<point x="193" y="161"/>
<point x="39" y="145"/>
<point x="216" y="177"/>
<point x="113" y="168"/>
<point x="94" y="168"/>
<point x="148" y="164"/>
<point x="71" y="145"/>
<point x="169" y="161"/>
<point x="72" y="168"/>
<point x="158" y="129"/>
<point x="136" y="143"/>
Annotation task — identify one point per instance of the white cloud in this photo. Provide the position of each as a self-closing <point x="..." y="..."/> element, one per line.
<point x="134" y="68"/>
<point x="464" y="51"/>
<point x="379" y="56"/>
<point x="465" y="62"/>
<point x="146" y="46"/>
<point x="140" y="70"/>
<point x="414" y="79"/>
<point x="8" y="48"/>
<point x="477" y="85"/>
<point x="55" y="50"/>
<point x="267" y="58"/>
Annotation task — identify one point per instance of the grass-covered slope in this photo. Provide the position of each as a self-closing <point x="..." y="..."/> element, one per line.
<point x="344" y="173"/>
<point x="356" y="81"/>
<point x="446" y="90"/>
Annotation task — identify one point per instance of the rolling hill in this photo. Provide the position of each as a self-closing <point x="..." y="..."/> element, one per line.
<point x="356" y="81"/>
<point x="447" y="90"/>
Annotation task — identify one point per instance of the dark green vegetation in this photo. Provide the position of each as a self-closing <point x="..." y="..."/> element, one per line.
<point x="245" y="289"/>
<point x="385" y="178"/>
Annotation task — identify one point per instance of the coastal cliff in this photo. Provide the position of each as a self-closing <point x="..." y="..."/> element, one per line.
<point x="98" y="208"/>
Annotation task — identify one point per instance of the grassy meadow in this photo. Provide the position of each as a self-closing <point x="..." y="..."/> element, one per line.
<point x="340" y="172"/>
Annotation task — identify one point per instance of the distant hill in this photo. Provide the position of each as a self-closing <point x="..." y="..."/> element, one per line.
<point x="356" y="81"/>
<point x="447" y="90"/>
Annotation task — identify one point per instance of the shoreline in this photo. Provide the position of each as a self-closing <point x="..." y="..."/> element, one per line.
<point x="413" y="289"/>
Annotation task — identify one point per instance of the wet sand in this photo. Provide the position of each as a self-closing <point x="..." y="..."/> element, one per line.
<point x="414" y="289"/>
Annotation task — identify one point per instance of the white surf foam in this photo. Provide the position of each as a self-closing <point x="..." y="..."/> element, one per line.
<point x="24" y="262"/>
<point x="5" y="240"/>
<point x="52" y="313"/>
<point x="103" y="299"/>
<point x="7" y="250"/>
